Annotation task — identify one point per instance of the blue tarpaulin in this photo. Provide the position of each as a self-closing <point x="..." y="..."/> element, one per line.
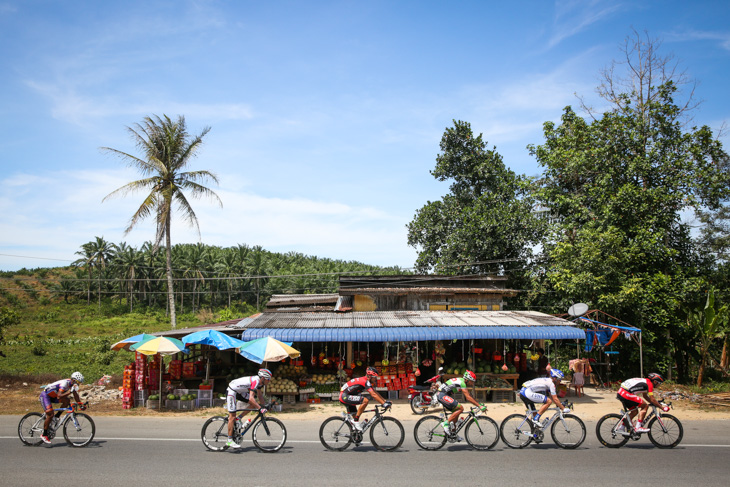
<point x="414" y="333"/>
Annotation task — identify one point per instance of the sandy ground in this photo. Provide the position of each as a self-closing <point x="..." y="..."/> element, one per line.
<point x="18" y="399"/>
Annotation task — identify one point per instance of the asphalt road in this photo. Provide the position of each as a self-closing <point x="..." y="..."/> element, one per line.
<point x="151" y="451"/>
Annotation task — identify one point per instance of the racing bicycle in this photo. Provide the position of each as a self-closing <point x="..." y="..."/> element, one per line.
<point x="482" y="432"/>
<point x="268" y="434"/>
<point x="78" y="428"/>
<point x="567" y="430"/>
<point x="339" y="432"/>
<point x="665" y="431"/>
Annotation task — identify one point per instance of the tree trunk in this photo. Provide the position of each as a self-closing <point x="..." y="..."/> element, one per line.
<point x="724" y="359"/>
<point x="701" y="373"/>
<point x="170" y="289"/>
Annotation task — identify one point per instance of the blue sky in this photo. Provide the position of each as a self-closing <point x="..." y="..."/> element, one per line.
<point x="325" y="116"/>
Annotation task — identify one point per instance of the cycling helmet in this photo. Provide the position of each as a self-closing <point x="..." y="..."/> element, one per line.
<point x="371" y="372"/>
<point x="556" y="374"/>
<point x="265" y="374"/>
<point x="655" y="378"/>
<point x="78" y="377"/>
<point x="469" y="375"/>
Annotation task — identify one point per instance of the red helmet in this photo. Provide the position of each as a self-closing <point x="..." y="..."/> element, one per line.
<point x="655" y="378"/>
<point x="371" y="372"/>
<point x="469" y="375"/>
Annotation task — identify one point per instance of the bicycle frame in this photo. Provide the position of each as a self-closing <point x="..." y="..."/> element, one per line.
<point x="69" y="416"/>
<point x="240" y="429"/>
<point x="654" y="412"/>
<point x="558" y="414"/>
<point x="474" y="412"/>
<point x="370" y="422"/>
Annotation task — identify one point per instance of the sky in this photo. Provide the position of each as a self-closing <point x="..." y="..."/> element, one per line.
<point x="325" y="116"/>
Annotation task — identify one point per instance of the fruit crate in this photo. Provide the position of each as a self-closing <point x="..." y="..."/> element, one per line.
<point x="205" y="394"/>
<point x="202" y="402"/>
<point x="503" y="396"/>
<point x="188" y="405"/>
<point x="288" y="398"/>
<point x="153" y="404"/>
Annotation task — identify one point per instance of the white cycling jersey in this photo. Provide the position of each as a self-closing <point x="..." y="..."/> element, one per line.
<point x="541" y="385"/>
<point x="244" y="384"/>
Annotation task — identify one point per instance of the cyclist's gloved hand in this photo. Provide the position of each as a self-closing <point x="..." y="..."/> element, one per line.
<point x="387" y="404"/>
<point x="263" y="410"/>
<point x="483" y="407"/>
<point x="566" y="410"/>
<point x="665" y="409"/>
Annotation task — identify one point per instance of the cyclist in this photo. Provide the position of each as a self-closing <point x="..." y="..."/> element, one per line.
<point x="627" y="394"/>
<point x="445" y="396"/>
<point x="59" y="392"/>
<point x="351" y="396"/>
<point x="240" y="390"/>
<point x="542" y="390"/>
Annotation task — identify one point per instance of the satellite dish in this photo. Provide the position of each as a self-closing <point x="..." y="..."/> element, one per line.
<point x="578" y="309"/>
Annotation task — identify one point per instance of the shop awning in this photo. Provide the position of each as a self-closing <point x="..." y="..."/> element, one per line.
<point x="382" y="326"/>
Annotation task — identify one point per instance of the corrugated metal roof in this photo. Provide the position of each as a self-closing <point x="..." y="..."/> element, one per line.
<point x="406" y="325"/>
<point x="300" y="299"/>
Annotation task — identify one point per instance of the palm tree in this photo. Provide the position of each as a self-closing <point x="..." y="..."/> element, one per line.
<point x="96" y="253"/>
<point x="167" y="149"/>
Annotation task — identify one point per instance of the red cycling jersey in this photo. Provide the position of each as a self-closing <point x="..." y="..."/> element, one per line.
<point x="354" y="387"/>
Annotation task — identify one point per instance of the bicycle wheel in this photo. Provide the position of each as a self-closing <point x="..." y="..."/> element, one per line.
<point x="429" y="433"/>
<point x="387" y="434"/>
<point x="215" y="433"/>
<point x="30" y="428"/>
<point x="269" y="435"/>
<point x="606" y="431"/>
<point x="516" y="431"/>
<point x="335" y="433"/>
<point x="666" y="432"/>
<point x="81" y="432"/>
<point x="482" y="433"/>
<point x="569" y="433"/>
<point x="417" y="406"/>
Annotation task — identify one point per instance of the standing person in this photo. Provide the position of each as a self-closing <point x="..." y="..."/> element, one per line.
<point x="59" y="392"/>
<point x="542" y="363"/>
<point x="351" y="396"/>
<point x="445" y="396"/>
<point x="542" y="390"/>
<point x="240" y="390"/>
<point x="627" y="395"/>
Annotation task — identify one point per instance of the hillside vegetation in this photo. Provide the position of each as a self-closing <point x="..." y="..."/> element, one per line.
<point x="58" y="320"/>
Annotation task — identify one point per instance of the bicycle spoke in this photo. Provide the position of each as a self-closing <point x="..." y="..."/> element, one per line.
<point x="387" y="434"/>
<point x="570" y="432"/>
<point x="608" y="432"/>
<point x="429" y="433"/>
<point x="482" y="433"/>
<point x="215" y="433"/>
<point x="79" y="430"/>
<point x="666" y="432"/>
<point x="335" y="433"/>
<point x="269" y="435"/>
<point x="516" y="431"/>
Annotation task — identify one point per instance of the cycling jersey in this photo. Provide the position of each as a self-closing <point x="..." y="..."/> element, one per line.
<point x="356" y="386"/>
<point x="59" y="387"/>
<point x="453" y="385"/>
<point x="541" y="385"/>
<point x="638" y="385"/>
<point x="245" y="384"/>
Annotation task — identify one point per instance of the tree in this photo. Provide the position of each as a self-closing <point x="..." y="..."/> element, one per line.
<point x="709" y="323"/>
<point x="8" y="317"/>
<point x="486" y="219"/>
<point x="95" y="254"/>
<point x="618" y="186"/>
<point x="167" y="148"/>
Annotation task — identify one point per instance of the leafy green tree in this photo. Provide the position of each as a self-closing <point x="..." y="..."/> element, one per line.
<point x="617" y="187"/>
<point x="167" y="148"/>
<point x="485" y="221"/>
<point x="710" y="324"/>
<point x="8" y="317"/>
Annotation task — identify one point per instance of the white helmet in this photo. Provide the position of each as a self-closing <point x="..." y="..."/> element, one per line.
<point x="265" y="374"/>
<point x="78" y="377"/>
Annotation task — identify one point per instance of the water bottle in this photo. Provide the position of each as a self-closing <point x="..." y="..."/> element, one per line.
<point x="458" y="423"/>
<point x="247" y="424"/>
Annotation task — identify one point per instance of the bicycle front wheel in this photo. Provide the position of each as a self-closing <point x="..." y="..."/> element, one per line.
<point x="335" y="433"/>
<point x="79" y="433"/>
<point x="516" y="431"/>
<point x="30" y="428"/>
<point x="606" y="431"/>
<point x="429" y="433"/>
<point x="387" y="434"/>
<point x="482" y="433"/>
<point x="666" y="432"/>
<point x="215" y="433"/>
<point x="269" y="435"/>
<point x="568" y="433"/>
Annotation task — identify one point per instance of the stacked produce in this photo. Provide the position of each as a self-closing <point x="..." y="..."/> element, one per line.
<point x="323" y="379"/>
<point x="492" y="382"/>
<point x="294" y="372"/>
<point x="282" y="386"/>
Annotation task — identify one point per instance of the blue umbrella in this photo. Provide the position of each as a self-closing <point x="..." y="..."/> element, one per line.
<point x="214" y="338"/>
